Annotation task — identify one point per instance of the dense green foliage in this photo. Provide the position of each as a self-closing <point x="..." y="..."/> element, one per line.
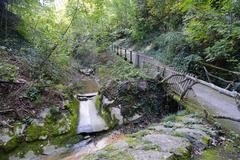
<point x="181" y="33"/>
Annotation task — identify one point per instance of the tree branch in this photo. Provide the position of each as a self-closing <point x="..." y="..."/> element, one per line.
<point x="227" y="118"/>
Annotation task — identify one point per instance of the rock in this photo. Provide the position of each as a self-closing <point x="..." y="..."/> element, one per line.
<point x="19" y="129"/>
<point x="142" y="85"/>
<point x="198" y="138"/>
<point x="28" y="156"/>
<point x="120" y="145"/>
<point x="45" y="112"/>
<point x="3" y="48"/>
<point x="43" y="137"/>
<point x="64" y="125"/>
<point x="33" y="132"/>
<point x="50" y="149"/>
<point x="125" y="86"/>
<point x="139" y="97"/>
<point x="150" y="155"/>
<point x="106" y="101"/>
<point x="161" y="128"/>
<point x="135" y="117"/>
<point x="87" y="71"/>
<point x="8" y="141"/>
<point x="168" y="143"/>
<point x="116" y="112"/>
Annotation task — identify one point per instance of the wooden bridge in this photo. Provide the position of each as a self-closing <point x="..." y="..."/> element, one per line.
<point x="222" y="103"/>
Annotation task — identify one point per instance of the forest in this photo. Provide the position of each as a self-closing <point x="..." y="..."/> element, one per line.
<point x="186" y="34"/>
<point x="55" y="53"/>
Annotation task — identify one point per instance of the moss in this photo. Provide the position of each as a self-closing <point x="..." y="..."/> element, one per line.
<point x="66" y="139"/>
<point x="210" y="154"/>
<point x="109" y="148"/>
<point x="61" y="87"/>
<point x="33" y="132"/>
<point x="179" y="134"/>
<point x="151" y="146"/>
<point x="98" y="102"/>
<point x="140" y="134"/>
<point x="182" y="153"/>
<point x="113" y="155"/>
<point x="134" y="142"/>
<point x="12" y="144"/>
<point x="183" y="113"/>
<point x="180" y="118"/>
<point x="168" y="124"/>
<point x="189" y="106"/>
<point x="51" y="129"/>
<point x="206" y="139"/>
<point x="105" y="113"/>
<point x="73" y="108"/>
<point x="23" y="148"/>
<point x="170" y="118"/>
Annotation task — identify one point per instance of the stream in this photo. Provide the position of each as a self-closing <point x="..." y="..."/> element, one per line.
<point x="89" y="122"/>
<point x="87" y="126"/>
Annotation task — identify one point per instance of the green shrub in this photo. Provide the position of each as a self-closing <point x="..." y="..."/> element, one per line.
<point x="8" y="72"/>
<point x="34" y="93"/>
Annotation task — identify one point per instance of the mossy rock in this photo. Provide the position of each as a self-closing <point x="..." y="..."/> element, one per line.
<point x="182" y="153"/>
<point x="73" y="108"/>
<point x="105" y="113"/>
<point x="52" y="127"/>
<point x="113" y="155"/>
<point x="34" y="132"/>
<point x="206" y="139"/>
<point x="210" y="154"/>
<point x="10" y="145"/>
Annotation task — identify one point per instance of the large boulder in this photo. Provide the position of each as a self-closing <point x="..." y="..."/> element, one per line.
<point x="136" y="99"/>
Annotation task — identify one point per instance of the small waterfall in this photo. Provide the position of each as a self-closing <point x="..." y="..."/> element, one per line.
<point x="89" y="120"/>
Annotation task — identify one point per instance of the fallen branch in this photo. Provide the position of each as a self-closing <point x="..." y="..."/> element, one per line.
<point x="219" y="78"/>
<point x="228" y="118"/>
<point x="11" y="82"/>
<point x="219" y="68"/>
<point x="207" y="74"/>
<point x="5" y="111"/>
<point x="4" y="123"/>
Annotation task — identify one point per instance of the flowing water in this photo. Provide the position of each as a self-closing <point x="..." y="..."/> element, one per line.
<point x="89" y="119"/>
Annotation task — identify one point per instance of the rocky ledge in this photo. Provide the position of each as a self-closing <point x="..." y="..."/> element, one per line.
<point x="179" y="136"/>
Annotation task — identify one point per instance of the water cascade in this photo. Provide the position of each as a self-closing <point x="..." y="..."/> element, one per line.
<point x="89" y="120"/>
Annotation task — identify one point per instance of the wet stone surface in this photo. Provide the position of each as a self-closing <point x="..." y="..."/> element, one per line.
<point x="180" y="137"/>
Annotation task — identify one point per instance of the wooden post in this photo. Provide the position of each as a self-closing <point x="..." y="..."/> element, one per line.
<point x="131" y="57"/>
<point x="117" y="50"/>
<point x="137" y="65"/>
<point x="125" y="56"/>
